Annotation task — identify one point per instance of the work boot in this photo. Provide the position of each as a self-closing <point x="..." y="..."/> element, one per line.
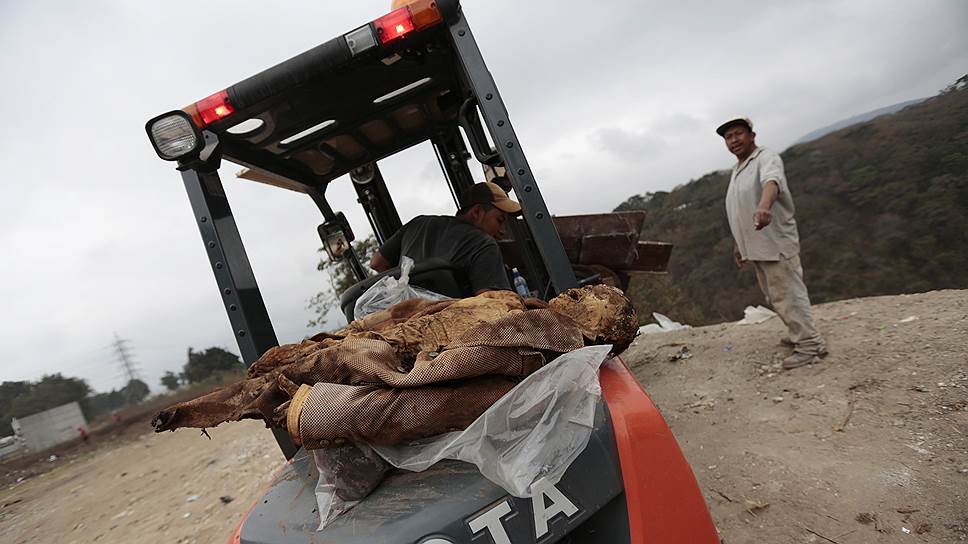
<point x="799" y="359"/>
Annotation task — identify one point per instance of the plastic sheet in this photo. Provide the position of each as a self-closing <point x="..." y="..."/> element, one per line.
<point x="347" y="474"/>
<point x="755" y="315"/>
<point x="389" y="290"/>
<point x="532" y="433"/>
<point x="663" y="324"/>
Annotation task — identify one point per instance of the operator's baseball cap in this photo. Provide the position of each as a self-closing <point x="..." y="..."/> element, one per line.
<point x="732" y="123"/>
<point x="488" y="193"/>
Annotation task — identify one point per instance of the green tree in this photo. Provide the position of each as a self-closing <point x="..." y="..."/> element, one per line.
<point x="340" y="277"/>
<point x="202" y="364"/>
<point x="135" y="391"/>
<point x="103" y="403"/>
<point x="171" y="381"/>
<point x="8" y="392"/>
<point x="51" y="391"/>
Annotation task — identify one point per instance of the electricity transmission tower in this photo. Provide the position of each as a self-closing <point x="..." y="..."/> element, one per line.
<point x="125" y="358"/>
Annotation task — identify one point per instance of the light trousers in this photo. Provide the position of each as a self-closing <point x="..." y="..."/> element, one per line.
<point x="782" y="285"/>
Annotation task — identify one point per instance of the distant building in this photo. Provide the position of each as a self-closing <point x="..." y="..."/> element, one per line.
<point x="51" y="427"/>
<point x="9" y="445"/>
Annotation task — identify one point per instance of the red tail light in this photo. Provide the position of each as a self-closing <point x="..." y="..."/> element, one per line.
<point x="394" y="25"/>
<point x="416" y="15"/>
<point x="209" y="110"/>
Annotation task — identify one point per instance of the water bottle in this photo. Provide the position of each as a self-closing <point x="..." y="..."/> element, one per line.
<point x="520" y="284"/>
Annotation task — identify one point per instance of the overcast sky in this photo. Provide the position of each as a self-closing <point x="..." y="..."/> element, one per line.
<point x="609" y="100"/>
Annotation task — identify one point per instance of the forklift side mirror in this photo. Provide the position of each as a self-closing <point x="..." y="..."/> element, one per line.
<point x="470" y="121"/>
<point x="336" y="235"/>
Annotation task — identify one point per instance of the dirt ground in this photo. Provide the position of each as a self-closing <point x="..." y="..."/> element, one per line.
<point x="147" y="488"/>
<point x="869" y="446"/>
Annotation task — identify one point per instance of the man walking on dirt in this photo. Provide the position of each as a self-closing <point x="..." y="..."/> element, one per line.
<point x="760" y="212"/>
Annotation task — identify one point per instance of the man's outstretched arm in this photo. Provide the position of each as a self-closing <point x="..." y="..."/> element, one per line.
<point x="763" y="216"/>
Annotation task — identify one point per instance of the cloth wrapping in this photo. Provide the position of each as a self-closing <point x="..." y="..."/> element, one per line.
<point x="395" y="406"/>
<point x="523" y="442"/>
<point x="417" y="369"/>
<point x="531" y="434"/>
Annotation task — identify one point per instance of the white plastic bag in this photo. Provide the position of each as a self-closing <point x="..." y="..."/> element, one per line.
<point x="755" y="315"/>
<point x="347" y="474"/>
<point x="664" y="325"/>
<point x="389" y="290"/>
<point x="532" y="433"/>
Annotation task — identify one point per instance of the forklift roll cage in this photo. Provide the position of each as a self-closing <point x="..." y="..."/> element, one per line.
<point x="333" y="111"/>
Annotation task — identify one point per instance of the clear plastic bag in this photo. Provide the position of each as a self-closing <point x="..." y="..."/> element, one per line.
<point x="347" y="474"/>
<point x="532" y="433"/>
<point x="389" y="290"/>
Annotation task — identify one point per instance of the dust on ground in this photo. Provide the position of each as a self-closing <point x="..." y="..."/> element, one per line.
<point x="869" y="446"/>
<point x="148" y="488"/>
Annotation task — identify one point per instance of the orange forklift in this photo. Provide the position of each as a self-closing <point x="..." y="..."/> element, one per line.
<point x="335" y="111"/>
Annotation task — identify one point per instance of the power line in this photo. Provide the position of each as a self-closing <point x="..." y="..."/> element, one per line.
<point x="123" y="352"/>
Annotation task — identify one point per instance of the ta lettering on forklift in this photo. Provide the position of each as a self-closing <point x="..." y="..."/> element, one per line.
<point x="413" y="75"/>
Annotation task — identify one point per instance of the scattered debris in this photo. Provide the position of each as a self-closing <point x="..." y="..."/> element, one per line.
<point x="850" y="411"/>
<point x="905" y="530"/>
<point x="909" y="319"/>
<point x="702" y="403"/>
<point x="186" y="515"/>
<point x="777" y="399"/>
<point x="193" y="498"/>
<point x="919" y="449"/>
<point x="866" y="517"/>
<point x="723" y="495"/>
<point x="755" y="506"/>
<point x="923" y="528"/>
<point x="226" y="499"/>
<point x="728" y="348"/>
<point x="681" y="355"/>
<point x="907" y="510"/>
<point x="754" y="315"/>
<point x="815" y="533"/>
<point x="663" y="324"/>
<point x="52" y="458"/>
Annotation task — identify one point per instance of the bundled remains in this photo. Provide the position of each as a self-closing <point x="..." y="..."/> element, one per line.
<point x="417" y="369"/>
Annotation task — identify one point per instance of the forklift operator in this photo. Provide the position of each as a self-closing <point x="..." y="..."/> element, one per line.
<point x="467" y="241"/>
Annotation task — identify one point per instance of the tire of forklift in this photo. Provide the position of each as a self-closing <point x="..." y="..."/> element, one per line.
<point x="665" y="504"/>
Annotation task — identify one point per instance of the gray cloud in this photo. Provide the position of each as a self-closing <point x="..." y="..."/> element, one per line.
<point x="97" y="234"/>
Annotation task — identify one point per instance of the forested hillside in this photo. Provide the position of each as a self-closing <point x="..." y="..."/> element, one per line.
<point x="882" y="208"/>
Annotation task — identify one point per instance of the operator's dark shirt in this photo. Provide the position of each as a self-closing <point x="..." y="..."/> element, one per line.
<point x="453" y="239"/>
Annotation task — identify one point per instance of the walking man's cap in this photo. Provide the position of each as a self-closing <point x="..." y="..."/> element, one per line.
<point x="732" y="123"/>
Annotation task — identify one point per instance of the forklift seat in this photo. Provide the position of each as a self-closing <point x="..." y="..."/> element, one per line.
<point x="437" y="275"/>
